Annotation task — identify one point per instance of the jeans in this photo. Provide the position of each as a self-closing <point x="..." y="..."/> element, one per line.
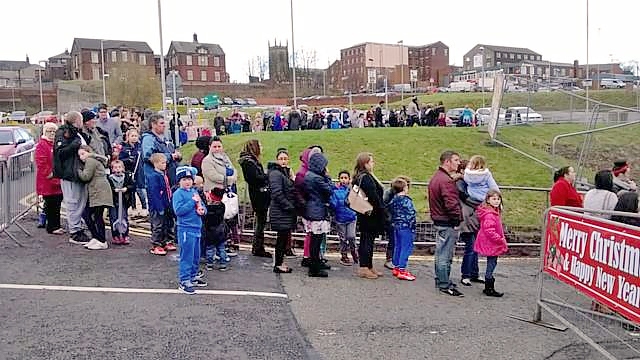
<point x="75" y="201"/>
<point x="142" y="195"/>
<point x="189" y="255"/>
<point x="52" y="211"/>
<point x="219" y="249"/>
<point x="446" y="239"/>
<point x="365" y="249"/>
<point x="258" y="237"/>
<point x="347" y="235"/>
<point x="281" y="245"/>
<point x="469" y="268"/>
<point x="113" y="216"/>
<point x="161" y="228"/>
<point x="492" y="262"/>
<point x="403" y="246"/>
<point x="96" y="223"/>
<point x="390" y="241"/>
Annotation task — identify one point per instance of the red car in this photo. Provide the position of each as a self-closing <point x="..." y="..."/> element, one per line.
<point x="15" y="140"/>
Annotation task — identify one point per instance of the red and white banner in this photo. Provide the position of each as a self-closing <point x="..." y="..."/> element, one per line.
<point x="599" y="259"/>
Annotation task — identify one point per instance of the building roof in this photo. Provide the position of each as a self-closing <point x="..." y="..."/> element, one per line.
<point x="509" y="49"/>
<point x="64" y="55"/>
<point x="11" y="65"/>
<point x="547" y="63"/>
<point x="192" y="47"/>
<point x="94" y="44"/>
<point x="428" y="45"/>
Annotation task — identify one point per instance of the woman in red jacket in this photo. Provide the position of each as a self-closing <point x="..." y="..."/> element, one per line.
<point x="46" y="185"/>
<point x="563" y="193"/>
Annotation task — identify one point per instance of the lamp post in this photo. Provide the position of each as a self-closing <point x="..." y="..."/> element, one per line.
<point x="162" y="70"/>
<point x="482" y="56"/>
<point x="13" y="97"/>
<point x="104" y="84"/>
<point x="293" y="52"/>
<point x="40" y="81"/>
<point x="401" y="42"/>
<point x="588" y="77"/>
<point x="104" y="87"/>
<point x="175" y="110"/>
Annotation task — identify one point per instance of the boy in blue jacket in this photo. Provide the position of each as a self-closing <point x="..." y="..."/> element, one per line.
<point x="345" y="219"/>
<point x="160" y="212"/>
<point x="188" y="208"/>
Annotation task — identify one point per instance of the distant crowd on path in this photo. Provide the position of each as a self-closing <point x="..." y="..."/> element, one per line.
<point x="97" y="163"/>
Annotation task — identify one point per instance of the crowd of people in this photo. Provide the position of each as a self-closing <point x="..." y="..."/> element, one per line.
<point x="98" y="163"/>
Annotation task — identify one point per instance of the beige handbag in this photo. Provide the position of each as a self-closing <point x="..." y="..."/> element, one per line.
<point x="357" y="200"/>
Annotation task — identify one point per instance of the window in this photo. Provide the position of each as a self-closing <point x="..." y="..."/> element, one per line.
<point x="75" y="61"/>
<point x="539" y="58"/>
<point x="433" y="51"/>
<point x="189" y="60"/>
<point x="498" y="55"/>
<point x="446" y="52"/>
<point x="190" y="75"/>
<point x="217" y="76"/>
<point x="95" y="73"/>
<point x="519" y="56"/>
<point x="114" y="56"/>
<point x="512" y="56"/>
<point x="94" y="57"/>
<point x="125" y="56"/>
<point x="216" y="61"/>
<point x="203" y="61"/>
<point x="539" y="71"/>
<point x="203" y="75"/>
<point x="142" y="59"/>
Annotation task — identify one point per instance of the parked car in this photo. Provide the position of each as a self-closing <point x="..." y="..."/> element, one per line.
<point x="15" y="140"/>
<point x="3" y="116"/>
<point x="251" y="102"/>
<point x="43" y="117"/>
<point x="483" y="115"/>
<point x="227" y="101"/>
<point x="454" y="115"/>
<point x="239" y="102"/>
<point x="19" y="116"/>
<point x="521" y="115"/>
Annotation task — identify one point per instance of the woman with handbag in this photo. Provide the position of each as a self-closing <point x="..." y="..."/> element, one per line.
<point x="259" y="193"/>
<point x="218" y="172"/>
<point x="371" y="223"/>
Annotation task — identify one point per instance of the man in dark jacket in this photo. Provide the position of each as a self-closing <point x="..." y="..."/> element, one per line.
<point x="66" y="165"/>
<point x="446" y="214"/>
<point x="294" y="119"/>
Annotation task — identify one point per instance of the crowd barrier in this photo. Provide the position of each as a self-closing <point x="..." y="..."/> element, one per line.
<point x="589" y="280"/>
<point x="17" y="190"/>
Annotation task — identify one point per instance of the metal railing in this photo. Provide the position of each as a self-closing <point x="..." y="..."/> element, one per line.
<point x="17" y="191"/>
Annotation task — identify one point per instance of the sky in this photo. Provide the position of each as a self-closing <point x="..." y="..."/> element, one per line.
<point x="554" y="28"/>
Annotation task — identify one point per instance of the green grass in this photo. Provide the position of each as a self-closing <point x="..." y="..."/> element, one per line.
<point x="415" y="151"/>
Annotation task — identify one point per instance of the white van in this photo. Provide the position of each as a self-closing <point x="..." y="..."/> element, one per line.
<point x="612" y="84"/>
<point x="461" y="86"/>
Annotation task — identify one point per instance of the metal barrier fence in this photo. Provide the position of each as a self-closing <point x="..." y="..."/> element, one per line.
<point x="523" y="238"/>
<point x="17" y="190"/>
<point x="589" y="280"/>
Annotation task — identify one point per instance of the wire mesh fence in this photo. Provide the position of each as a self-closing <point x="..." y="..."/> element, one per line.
<point x="18" y="183"/>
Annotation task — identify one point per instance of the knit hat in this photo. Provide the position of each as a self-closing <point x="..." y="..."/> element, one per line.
<point x="186" y="171"/>
<point x="281" y="151"/>
<point x="88" y="115"/>
<point x="620" y="167"/>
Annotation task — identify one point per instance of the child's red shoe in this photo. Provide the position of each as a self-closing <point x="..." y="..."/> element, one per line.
<point x="170" y="247"/>
<point x="405" y="275"/>
<point x="395" y="272"/>
<point x="125" y="241"/>
<point x="158" y="250"/>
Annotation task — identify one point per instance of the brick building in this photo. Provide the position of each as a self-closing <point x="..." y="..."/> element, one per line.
<point x="495" y="56"/>
<point x="430" y="64"/>
<point x="19" y="74"/>
<point x="87" y="55"/>
<point x="199" y="64"/>
<point x="58" y="67"/>
<point x="279" y="68"/>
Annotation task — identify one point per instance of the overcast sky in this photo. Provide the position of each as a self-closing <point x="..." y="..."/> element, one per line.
<point x="554" y="28"/>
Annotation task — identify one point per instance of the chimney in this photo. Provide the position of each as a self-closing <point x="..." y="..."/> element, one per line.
<point x="28" y="62"/>
<point x="195" y="37"/>
<point x="66" y="51"/>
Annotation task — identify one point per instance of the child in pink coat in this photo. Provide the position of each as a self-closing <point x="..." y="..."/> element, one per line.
<point x="490" y="241"/>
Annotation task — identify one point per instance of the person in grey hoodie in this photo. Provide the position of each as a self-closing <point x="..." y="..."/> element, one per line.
<point x="602" y="197"/>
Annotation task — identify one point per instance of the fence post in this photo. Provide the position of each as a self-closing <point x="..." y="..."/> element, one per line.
<point x="5" y="173"/>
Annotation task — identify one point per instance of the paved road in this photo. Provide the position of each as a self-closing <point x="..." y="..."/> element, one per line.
<point x="341" y="317"/>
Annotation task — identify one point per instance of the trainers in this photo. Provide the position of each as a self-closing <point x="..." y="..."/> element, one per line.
<point x="125" y="241"/>
<point x="395" y="272"/>
<point x="116" y="240"/>
<point x="345" y="261"/>
<point x="405" y="275"/>
<point x="223" y="267"/>
<point x="466" y="282"/>
<point x="199" y="283"/>
<point x="389" y="265"/>
<point x="451" y="292"/>
<point x="210" y="267"/>
<point x="170" y="247"/>
<point x="199" y="275"/>
<point x="97" y="245"/>
<point x="158" y="250"/>
<point x="78" y="238"/>
<point x="187" y="289"/>
<point x="90" y="242"/>
<point x="231" y="253"/>
<point x="305" y="262"/>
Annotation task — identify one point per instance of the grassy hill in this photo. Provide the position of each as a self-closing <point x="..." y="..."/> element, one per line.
<point x="415" y="151"/>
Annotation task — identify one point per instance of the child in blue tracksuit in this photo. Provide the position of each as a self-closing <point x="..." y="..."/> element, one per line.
<point x="403" y="221"/>
<point x="345" y="219"/>
<point x="188" y="208"/>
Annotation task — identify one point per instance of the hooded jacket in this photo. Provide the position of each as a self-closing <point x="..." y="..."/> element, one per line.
<point x="66" y="162"/>
<point x="343" y="213"/>
<point x="131" y="156"/>
<point x="94" y="173"/>
<point x="151" y="144"/>
<point x="184" y="207"/>
<point x="257" y="180"/>
<point x="282" y="212"/>
<point x="490" y="240"/>
<point x="45" y="185"/>
<point x="300" y="192"/>
<point x="318" y="189"/>
<point x="479" y="182"/>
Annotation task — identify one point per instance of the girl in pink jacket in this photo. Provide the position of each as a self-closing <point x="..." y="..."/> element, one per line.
<point x="490" y="241"/>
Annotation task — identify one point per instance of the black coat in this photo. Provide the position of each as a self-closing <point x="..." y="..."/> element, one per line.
<point x="374" y="222"/>
<point x="282" y="212"/>
<point x="215" y="229"/>
<point x="66" y="162"/>
<point x="257" y="181"/>
<point x="294" y="120"/>
<point x="318" y="189"/>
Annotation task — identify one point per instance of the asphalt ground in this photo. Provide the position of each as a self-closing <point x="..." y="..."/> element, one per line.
<point x="340" y="317"/>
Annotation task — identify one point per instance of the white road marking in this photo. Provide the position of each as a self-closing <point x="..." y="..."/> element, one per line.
<point x="141" y="291"/>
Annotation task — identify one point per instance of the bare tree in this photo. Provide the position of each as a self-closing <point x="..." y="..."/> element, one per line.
<point x="133" y="85"/>
<point x="263" y="67"/>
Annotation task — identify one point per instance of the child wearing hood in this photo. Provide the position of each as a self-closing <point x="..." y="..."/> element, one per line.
<point x="120" y="181"/>
<point x="94" y="174"/>
<point x="319" y="188"/>
<point x="301" y="197"/>
<point x="479" y="179"/>
<point x="130" y="155"/>
<point x="491" y="241"/>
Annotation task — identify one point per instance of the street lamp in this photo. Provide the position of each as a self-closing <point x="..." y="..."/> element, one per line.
<point x="401" y="42"/>
<point x="104" y="88"/>
<point x="483" y="80"/>
<point x="104" y="85"/>
<point x="40" y="81"/>
<point x="13" y="97"/>
<point x="162" y="71"/>
<point x="293" y="51"/>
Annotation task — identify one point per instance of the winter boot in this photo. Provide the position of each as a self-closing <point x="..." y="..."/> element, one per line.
<point x="489" y="289"/>
<point x="354" y="255"/>
<point x="315" y="270"/>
